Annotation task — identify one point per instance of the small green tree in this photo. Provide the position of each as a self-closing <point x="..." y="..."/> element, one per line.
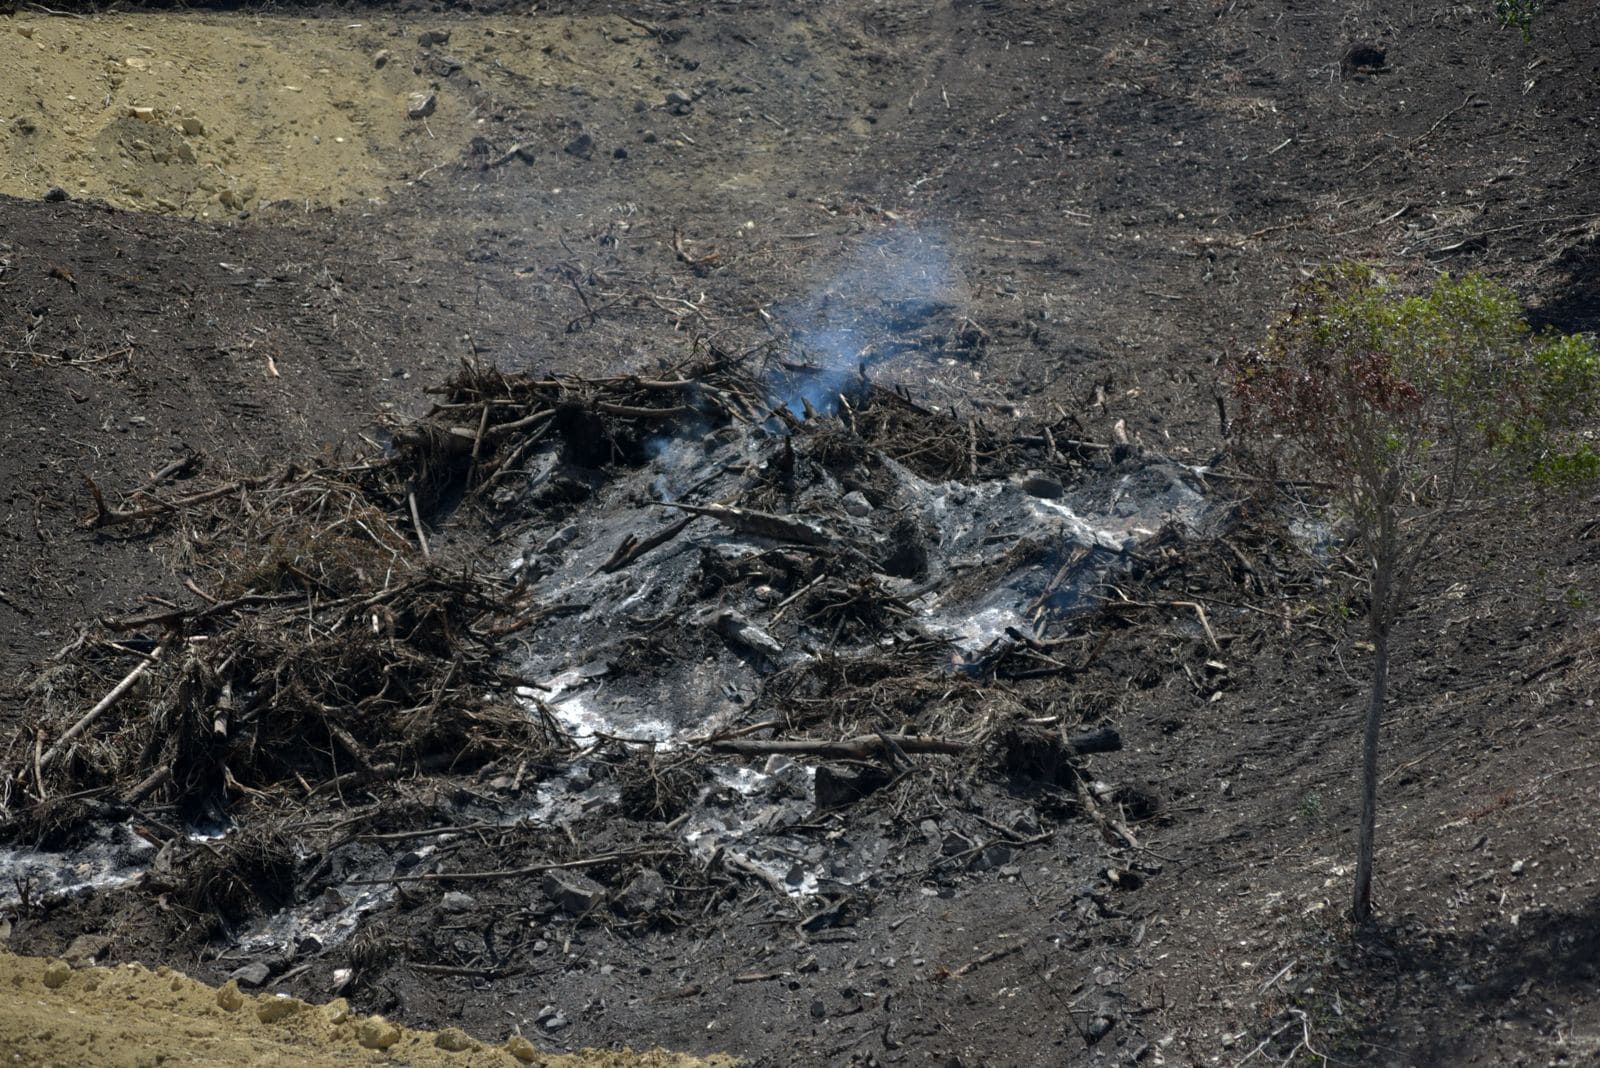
<point x="1411" y="408"/>
<point x="1518" y="13"/>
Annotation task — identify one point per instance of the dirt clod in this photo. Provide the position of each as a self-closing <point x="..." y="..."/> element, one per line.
<point x="375" y="1032"/>
<point x="56" y="974"/>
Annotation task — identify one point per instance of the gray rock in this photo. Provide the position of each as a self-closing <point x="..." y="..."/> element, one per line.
<point x="855" y="503"/>
<point x="955" y="843"/>
<point x="309" y="946"/>
<point x="380" y="58"/>
<point x="573" y="893"/>
<point x="551" y="1018"/>
<point x="678" y="98"/>
<point x="429" y="38"/>
<point x="421" y="105"/>
<point x="256" y="973"/>
<point x="85" y="950"/>
<point x="788" y="778"/>
<point x="329" y="902"/>
<point x="456" y="901"/>
<point x="442" y="66"/>
<point x="1043" y="486"/>
<point x="581" y="146"/>
<point x="992" y="856"/>
<point x="560" y="539"/>
<point x="644" y="895"/>
<point x="55" y="195"/>
<point x="735" y="627"/>
<point x="833" y="787"/>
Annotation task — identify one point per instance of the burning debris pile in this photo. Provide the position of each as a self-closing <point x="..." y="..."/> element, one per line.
<point x="635" y="639"/>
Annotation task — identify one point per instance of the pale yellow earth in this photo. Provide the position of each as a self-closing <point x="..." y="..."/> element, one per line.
<point x="207" y="116"/>
<point x="129" y="1017"/>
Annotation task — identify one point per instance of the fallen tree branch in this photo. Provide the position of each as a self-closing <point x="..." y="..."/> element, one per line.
<point x="841" y="749"/>
<point x="761" y="524"/>
<point x="515" y="873"/>
<point x="100" y="709"/>
<point x="988" y="958"/>
<point x="631" y="549"/>
<point x="1102" y="740"/>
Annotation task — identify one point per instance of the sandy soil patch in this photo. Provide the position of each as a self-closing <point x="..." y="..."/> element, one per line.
<point x="128" y="1016"/>
<point x="210" y="116"/>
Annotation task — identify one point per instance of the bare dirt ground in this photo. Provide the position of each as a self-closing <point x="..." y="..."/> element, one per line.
<point x="1097" y="204"/>
<point x="131" y="1016"/>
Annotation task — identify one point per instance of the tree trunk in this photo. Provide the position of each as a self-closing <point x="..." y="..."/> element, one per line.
<point x="1362" y="908"/>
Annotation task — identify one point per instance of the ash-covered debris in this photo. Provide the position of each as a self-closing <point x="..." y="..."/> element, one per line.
<point x="736" y="552"/>
<point x="721" y="630"/>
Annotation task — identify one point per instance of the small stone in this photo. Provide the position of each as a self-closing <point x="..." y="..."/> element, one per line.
<point x="271" y="1010"/>
<point x="420" y="105"/>
<point x="86" y="949"/>
<point x="955" y="843"/>
<point x="191" y="126"/>
<point x="308" y="946"/>
<point x="56" y="195"/>
<point x="649" y="137"/>
<point x="788" y="778"/>
<point x="56" y="973"/>
<point x="330" y="902"/>
<point x="677" y="98"/>
<point x="992" y="857"/>
<point x="855" y="503"/>
<point x="25" y="30"/>
<point x="550" y="1018"/>
<point x="336" y="1011"/>
<point x="380" y="58"/>
<point x="619" y="153"/>
<point x="560" y="539"/>
<point x="1042" y="486"/>
<point x="581" y="146"/>
<point x="644" y="894"/>
<point x="457" y="901"/>
<point x="255" y="973"/>
<point x="429" y="38"/>
<point x="228" y="997"/>
<point x="818" y="1010"/>
<point x="142" y="114"/>
<point x="574" y="893"/>
<point x="377" y="1033"/>
<point x="832" y="787"/>
<point x="522" y="1049"/>
<point x="454" y="1040"/>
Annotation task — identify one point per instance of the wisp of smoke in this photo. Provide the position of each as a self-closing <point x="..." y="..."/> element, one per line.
<point x="892" y="284"/>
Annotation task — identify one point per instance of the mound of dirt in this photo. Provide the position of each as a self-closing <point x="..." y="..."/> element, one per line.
<point x="128" y="1015"/>
<point x="209" y="117"/>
